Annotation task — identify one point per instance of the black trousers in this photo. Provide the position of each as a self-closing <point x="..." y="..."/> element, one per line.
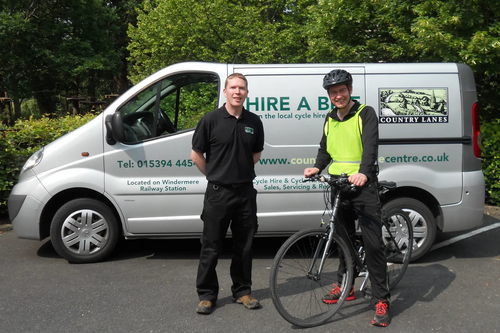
<point x="367" y="201"/>
<point x="224" y="207"/>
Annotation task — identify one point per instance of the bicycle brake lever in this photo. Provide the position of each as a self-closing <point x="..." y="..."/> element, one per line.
<point x="352" y="188"/>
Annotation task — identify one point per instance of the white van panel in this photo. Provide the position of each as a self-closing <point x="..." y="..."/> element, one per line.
<point x="150" y="196"/>
<point x="469" y="212"/>
<point x="435" y="168"/>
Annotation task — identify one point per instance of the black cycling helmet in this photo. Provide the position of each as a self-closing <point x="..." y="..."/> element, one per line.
<point x="337" y="76"/>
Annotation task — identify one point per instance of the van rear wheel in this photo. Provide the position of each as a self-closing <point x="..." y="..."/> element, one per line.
<point x="422" y="220"/>
<point x="84" y="231"/>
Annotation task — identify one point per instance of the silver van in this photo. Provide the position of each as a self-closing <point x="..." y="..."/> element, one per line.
<point x="127" y="173"/>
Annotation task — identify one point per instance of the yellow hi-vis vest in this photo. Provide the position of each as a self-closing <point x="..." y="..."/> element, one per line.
<point x="343" y="143"/>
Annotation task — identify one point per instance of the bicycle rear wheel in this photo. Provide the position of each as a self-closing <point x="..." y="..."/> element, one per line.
<point x="397" y="233"/>
<point x="298" y="288"/>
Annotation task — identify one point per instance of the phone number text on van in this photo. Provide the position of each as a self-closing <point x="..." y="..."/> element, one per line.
<point x="155" y="164"/>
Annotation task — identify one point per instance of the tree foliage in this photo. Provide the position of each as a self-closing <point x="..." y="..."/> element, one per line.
<point x="252" y="31"/>
<point x="490" y="145"/>
<point x="62" y="47"/>
<point x="53" y="43"/>
<point x="411" y="31"/>
<point x="327" y="31"/>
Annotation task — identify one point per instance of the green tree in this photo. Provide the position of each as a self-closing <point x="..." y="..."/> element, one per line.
<point x="252" y="31"/>
<point x="411" y="31"/>
<point x="64" y="47"/>
<point x="126" y="14"/>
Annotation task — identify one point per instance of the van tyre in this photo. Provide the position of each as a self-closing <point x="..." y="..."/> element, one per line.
<point x="422" y="220"/>
<point x="84" y="231"/>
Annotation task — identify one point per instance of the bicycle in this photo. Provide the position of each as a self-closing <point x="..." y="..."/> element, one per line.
<point x="307" y="266"/>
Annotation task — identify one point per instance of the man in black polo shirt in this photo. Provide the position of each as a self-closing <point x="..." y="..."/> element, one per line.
<point x="226" y="145"/>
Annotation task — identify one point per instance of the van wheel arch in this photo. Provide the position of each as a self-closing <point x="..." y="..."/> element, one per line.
<point x="423" y="222"/>
<point x="61" y="198"/>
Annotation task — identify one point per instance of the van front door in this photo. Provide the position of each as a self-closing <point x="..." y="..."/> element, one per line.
<point x="150" y="175"/>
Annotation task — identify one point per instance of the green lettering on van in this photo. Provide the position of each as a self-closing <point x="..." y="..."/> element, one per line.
<point x="323" y="104"/>
<point x="284" y="102"/>
<point x="303" y="104"/>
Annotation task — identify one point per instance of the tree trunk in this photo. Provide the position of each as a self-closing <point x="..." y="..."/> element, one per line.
<point x="121" y="81"/>
<point x="1" y="112"/>
<point x="17" y="109"/>
<point x="45" y="103"/>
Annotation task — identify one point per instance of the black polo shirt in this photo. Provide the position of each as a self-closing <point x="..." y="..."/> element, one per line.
<point x="229" y="144"/>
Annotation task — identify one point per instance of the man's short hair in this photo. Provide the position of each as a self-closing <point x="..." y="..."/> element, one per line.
<point x="236" y="75"/>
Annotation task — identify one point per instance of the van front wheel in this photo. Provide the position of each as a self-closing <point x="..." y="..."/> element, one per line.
<point x="84" y="231"/>
<point x="422" y="220"/>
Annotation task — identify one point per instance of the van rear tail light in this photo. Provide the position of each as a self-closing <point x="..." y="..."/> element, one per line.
<point x="475" y="129"/>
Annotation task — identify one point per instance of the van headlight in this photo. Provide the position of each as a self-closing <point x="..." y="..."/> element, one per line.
<point x="33" y="161"/>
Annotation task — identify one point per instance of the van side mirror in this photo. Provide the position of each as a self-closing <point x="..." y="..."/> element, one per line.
<point x="114" y="128"/>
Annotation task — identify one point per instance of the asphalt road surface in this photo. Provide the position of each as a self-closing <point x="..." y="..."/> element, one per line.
<point x="149" y="286"/>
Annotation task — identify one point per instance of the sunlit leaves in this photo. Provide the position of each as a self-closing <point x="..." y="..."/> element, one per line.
<point x="216" y="30"/>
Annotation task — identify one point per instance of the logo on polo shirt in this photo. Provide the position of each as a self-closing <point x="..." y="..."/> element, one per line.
<point x="249" y="130"/>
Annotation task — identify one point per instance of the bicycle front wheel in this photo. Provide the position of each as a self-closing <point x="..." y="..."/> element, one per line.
<point x="397" y="232"/>
<point x="304" y="271"/>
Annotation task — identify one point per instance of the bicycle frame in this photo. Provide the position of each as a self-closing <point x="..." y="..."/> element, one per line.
<point x="334" y="226"/>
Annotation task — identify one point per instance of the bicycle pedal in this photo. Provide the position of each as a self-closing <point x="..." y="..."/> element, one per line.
<point x="367" y="294"/>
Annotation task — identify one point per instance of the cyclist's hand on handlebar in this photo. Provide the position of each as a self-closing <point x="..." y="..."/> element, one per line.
<point x="358" y="179"/>
<point x="310" y="172"/>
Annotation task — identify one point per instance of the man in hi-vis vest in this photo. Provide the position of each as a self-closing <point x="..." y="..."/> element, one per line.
<point x="350" y="143"/>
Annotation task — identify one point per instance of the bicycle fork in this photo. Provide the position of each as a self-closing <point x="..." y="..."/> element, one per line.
<point x="316" y="276"/>
<point x="320" y="248"/>
<point x="325" y="249"/>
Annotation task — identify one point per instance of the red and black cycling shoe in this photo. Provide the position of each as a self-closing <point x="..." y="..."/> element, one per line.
<point x="333" y="296"/>
<point x="382" y="315"/>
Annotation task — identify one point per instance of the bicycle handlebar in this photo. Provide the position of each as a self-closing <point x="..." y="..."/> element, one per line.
<point x="341" y="182"/>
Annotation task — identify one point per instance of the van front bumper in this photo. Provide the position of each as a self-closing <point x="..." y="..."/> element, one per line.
<point x="26" y="224"/>
<point x="14" y="205"/>
<point x="25" y="204"/>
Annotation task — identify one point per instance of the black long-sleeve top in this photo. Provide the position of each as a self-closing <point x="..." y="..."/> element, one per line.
<point x="369" y="140"/>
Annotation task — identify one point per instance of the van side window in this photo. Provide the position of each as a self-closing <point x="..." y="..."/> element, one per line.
<point x="174" y="104"/>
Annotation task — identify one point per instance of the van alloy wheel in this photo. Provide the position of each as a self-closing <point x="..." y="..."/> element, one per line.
<point x="420" y="228"/>
<point x="422" y="220"/>
<point x="84" y="230"/>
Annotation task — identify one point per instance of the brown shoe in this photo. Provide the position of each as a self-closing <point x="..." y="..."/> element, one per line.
<point x="249" y="302"/>
<point x="205" y="307"/>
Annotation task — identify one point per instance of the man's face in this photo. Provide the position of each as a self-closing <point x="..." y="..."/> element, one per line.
<point x="236" y="92"/>
<point x="340" y="95"/>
